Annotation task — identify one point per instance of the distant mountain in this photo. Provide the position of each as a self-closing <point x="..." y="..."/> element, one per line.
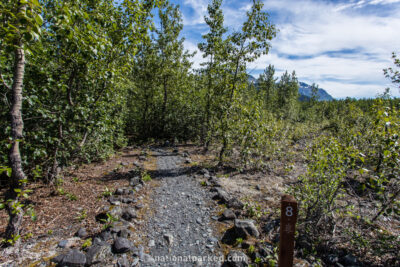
<point x="304" y="91"/>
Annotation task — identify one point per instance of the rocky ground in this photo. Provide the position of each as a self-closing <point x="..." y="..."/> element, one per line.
<point x="158" y="207"/>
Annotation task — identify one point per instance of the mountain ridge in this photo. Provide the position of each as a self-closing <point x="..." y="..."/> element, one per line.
<point x="305" y="92"/>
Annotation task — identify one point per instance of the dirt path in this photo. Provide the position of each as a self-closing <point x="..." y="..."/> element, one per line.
<point x="180" y="232"/>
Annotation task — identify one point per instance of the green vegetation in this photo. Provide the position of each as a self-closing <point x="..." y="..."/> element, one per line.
<point x="91" y="76"/>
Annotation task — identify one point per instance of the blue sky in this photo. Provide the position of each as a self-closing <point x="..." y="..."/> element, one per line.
<point x="340" y="45"/>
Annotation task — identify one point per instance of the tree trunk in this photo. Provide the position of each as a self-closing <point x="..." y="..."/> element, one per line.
<point x="164" y="107"/>
<point x="17" y="125"/>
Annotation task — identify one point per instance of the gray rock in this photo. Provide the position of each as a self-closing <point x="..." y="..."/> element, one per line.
<point x="228" y="215"/>
<point x="119" y="191"/>
<point x="169" y="238"/>
<point x="349" y="260"/>
<point x="138" y="187"/>
<point x="98" y="253"/>
<point x="82" y="233"/>
<point x="135" y="262"/>
<point x="67" y="243"/>
<point x="63" y="244"/>
<point x="222" y="195"/>
<point x="105" y="235"/>
<point x="204" y="171"/>
<point x="271" y="225"/>
<point x="237" y="259"/>
<point x="245" y="228"/>
<point x="74" y="258"/>
<point x="134" y="181"/>
<point x="125" y="233"/>
<point x="234" y="203"/>
<point x="214" y="182"/>
<point x="258" y="187"/>
<point x="146" y="258"/>
<point x="115" y="211"/>
<point x="123" y="261"/>
<point x="128" y="200"/>
<point x="114" y="201"/>
<point x="122" y="245"/>
<point x="152" y="243"/>
<point x="129" y="214"/>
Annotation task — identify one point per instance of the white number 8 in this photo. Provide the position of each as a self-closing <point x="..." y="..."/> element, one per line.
<point x="289" y="211"/>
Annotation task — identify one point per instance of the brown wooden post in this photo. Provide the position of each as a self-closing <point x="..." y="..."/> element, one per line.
<point x="287" y="230"/>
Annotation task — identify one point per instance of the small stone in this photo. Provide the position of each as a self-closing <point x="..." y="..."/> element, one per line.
<point x="127" y="200"/>
<point x="146" y="258"/>
<point x="212" y="240"/>
<point x="169" y="238"/>
<point x="332" y="259"/>
<point x="134" y="181"/>
<point x="63" y="243"/>
<point x="199" y="221"/>
<point x="114" y="201"/>
<point x="82" y="233"/>
<point x="123" y="261"/>
<point x="245" y="228"/>
<point x="228" y="215"/>
<point x="138" y="187"/>
<point x="152" y="243"/>
<point x="135" y="262"/>
<point x="98" y="253"/>
<point x="129" y="214"/>
<point x="67" y="243"/>
<point x="258" y="187"/>
<point x="115" y="211"/>
<point x="125" y="233"/>
<point x="235" y="204"/>
<point x="122" y="245"/>
<point x="139" y="206"/>
<point x="119" y="191"/>
<point x="105" y="235"/>
<point x="349" y="260"/>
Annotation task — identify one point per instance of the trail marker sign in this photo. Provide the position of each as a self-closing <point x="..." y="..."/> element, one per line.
<point x="287" y="230"/>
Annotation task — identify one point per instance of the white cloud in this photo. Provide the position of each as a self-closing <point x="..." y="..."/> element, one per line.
<point x="320" y="33"/>
<point x="317" y="30"/>
<point x="198" y="57"/>
<point x="199" y="8"/>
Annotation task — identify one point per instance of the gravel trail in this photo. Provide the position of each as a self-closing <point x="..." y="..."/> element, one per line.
<point x="180" y="232"/>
